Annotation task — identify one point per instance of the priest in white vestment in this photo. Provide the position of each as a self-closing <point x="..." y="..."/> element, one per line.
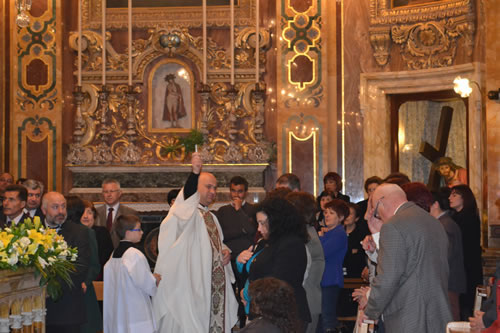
<point x="195" y="294"/>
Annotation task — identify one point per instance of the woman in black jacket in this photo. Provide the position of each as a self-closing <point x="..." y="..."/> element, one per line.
<point x="285" y="256"/>
<point x="466" y="215"/>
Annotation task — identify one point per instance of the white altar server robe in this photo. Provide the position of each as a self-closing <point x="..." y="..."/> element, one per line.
<point x="128" y="287"/>
<point x="182" y="304"/>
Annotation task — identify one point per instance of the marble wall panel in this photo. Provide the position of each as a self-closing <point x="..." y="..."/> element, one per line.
<point x="3" y="67"/>
<point x="492" y="82"/>
<point x="36" y="100"/>
<point x="357" y="58"/>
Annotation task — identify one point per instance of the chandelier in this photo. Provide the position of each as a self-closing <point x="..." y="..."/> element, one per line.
<point x="22" y="18"/>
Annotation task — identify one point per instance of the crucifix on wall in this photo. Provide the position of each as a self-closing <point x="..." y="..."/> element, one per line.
<point x="432" y="153"/>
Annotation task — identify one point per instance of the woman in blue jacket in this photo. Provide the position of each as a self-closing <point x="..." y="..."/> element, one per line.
<point x="334" y="241"/>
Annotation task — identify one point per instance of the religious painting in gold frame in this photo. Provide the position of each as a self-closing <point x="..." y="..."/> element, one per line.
<point x="186" y="14"/>
<point x="171" y="97"/>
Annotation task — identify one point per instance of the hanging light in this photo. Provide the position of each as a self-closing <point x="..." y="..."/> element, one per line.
<point x="22" y="18"/>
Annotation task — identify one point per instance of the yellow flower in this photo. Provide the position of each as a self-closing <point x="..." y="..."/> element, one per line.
<point x="36" y="221"/>
<point x="5" y="238"/>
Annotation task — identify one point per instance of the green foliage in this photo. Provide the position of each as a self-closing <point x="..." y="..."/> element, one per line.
<point x="189" y="143"/>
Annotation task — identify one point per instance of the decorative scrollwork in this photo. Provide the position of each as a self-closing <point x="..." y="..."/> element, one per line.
<point x="428" y="33"/>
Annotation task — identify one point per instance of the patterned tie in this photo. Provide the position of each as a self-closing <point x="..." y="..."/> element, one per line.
<point x="109" y="220"/>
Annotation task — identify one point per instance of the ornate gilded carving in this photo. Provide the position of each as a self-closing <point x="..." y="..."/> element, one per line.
<point x="113" y="126"/>
<point x="429" y="34"/>
<point x="163" y="17"/>
<point x="380" y="39"/>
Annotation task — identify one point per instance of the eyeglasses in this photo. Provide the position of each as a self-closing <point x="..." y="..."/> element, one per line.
<point x="110" y="191"/>
<point x="375" y="211"/>
<point x="139" y="229"/>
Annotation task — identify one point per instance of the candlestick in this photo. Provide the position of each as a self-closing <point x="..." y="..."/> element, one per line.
<point x="232" y="41"/>
<point x="103" y="4"/>
<point x="204" y="9"/>
<point x="257" y="40"/>
<point x="129" y="42"/>
<point x="79" y="43"/>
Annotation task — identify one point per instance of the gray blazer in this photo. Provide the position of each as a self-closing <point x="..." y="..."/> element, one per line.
<point x="103" y="214"/>
<point x="456" y="281"/>
<point x="312" y="284"/>
<point x="411" y="286"/>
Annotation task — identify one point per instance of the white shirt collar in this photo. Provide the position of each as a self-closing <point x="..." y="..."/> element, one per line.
<point x="376" y="239"/>
<point x="115" y="207"/>
<point x="16" y="219"/>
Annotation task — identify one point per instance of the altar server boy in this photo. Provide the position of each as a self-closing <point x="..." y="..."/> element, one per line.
<point x="128" y="283"/>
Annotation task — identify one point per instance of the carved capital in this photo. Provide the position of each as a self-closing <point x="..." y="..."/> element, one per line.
<point x="380" y="39"/>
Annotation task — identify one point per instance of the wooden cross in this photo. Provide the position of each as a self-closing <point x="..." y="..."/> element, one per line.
<point x="431" y="153"/>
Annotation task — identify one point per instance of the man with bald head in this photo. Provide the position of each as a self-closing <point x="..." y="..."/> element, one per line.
<point x="410" y="290"/>
<point x="195" y="294"/>
<point x="67" y="314"/>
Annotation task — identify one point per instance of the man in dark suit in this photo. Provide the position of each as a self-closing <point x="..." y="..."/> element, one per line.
<point x="239" y="226"/>
<point x="67" y="314"/>
<point x="410" y="290"/>
<point x="109" y="212"/>
<point x="35" y="192"/>
<point x="456" y="282"/>
<point x="14" y="201"/>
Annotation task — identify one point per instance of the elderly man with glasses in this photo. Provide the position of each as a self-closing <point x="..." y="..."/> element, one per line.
<point x="410" y="288"/>
<point x="112" y="209"/>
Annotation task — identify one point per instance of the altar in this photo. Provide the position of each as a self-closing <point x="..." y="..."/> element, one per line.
<point x="22" y="302"/>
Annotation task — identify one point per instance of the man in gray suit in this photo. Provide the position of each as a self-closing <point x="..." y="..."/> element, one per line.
<point x="109" y="212"/>
<point x="410" y="290"/>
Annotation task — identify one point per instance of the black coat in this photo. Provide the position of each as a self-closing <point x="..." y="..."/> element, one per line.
<point x="104" y="246"/>
<point x="70" y="308"/>
<point x="238" y="227"/>
<point x="470" y="226"/>
<point x="285" y="259"/>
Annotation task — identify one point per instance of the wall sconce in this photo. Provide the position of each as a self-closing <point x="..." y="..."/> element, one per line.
<point x="463" y="88"/>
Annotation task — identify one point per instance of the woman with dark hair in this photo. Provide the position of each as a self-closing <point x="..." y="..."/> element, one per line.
<point x="273" y="303"/>
<point x="333" y="183"/>
<point x="104" y="242"/>
<point x="334" y="241"/>
<point x="75" y="208"/>
<point x="324" y="198"/>
<point x="284" y="256"/>
<point x="466" y="215"/>
<point x="306" y="205"/>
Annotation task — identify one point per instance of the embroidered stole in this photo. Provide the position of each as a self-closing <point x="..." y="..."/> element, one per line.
<point x="218" y="291"/>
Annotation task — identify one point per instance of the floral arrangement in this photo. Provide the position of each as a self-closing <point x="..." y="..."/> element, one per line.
<point x="31" y="245"/>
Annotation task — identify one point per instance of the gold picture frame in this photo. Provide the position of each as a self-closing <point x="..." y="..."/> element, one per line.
<point x="171" y="97"/>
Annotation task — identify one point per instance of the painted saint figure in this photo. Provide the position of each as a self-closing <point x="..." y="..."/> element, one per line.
<point x="174" y="103"/>
<point x="451" y="173"/>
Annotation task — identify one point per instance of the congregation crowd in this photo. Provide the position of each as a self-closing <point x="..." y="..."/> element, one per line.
<point x="277" y="266"/>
